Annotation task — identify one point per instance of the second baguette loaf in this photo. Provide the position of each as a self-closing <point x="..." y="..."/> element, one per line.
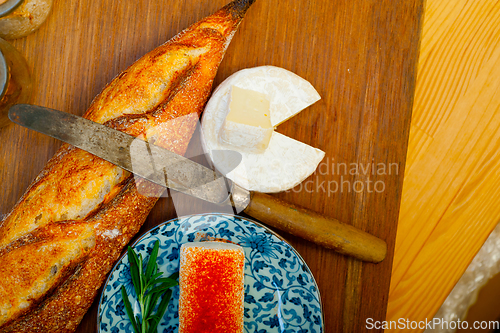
<point x="64" y="235"/>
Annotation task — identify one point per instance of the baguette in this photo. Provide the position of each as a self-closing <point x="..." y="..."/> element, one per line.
<point x="63" y="236"/>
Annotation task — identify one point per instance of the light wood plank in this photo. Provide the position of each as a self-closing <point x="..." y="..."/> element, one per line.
<point x="450" y="200"/>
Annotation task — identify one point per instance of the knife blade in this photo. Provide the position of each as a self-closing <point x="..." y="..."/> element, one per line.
<point x="171" y="170"/>
<point x="137" y="156"/>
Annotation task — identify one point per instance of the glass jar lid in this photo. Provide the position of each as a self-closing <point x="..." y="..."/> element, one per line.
<point x="4" y="75"/>
<point x="8" y="6"/>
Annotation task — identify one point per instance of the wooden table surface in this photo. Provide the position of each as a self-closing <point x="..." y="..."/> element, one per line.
<point x="359" y="54"/>
<point x="451" y="195"/>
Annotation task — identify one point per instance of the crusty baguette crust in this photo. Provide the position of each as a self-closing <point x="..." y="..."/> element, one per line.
<point x="158" y="98"/>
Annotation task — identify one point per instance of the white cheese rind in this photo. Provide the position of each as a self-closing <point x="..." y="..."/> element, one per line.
<point x="290" y="93"/>
<point x="286" y="162"/>
<point x="250" y="139"/>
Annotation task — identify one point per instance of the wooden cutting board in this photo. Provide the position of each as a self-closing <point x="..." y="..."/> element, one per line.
<point x="360" y="55"/>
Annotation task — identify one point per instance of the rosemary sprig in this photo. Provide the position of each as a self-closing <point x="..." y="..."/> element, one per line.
<point x="149" y="287"/>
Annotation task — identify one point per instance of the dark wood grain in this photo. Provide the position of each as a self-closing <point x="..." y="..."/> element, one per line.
<point x="359" y="54"/>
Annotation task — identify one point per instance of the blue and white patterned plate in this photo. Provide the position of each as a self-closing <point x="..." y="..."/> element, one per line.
<point x="280" y="292"/>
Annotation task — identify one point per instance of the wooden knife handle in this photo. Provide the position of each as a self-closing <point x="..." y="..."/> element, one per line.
<point x="316" y="228"/>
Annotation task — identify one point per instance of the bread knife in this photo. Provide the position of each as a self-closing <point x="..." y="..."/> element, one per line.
<point x="181" y="174"/>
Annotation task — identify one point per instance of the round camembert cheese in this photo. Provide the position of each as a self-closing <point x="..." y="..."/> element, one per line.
<point x="272" y="164"/>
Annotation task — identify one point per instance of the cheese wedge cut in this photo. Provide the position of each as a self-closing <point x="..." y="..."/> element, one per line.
<point x="211" y="281"/>
<point x="248" y="124"/>
<point x="285" y="162"/>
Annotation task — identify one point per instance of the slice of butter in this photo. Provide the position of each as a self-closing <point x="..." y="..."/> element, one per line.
<point x="247" y="126"/>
